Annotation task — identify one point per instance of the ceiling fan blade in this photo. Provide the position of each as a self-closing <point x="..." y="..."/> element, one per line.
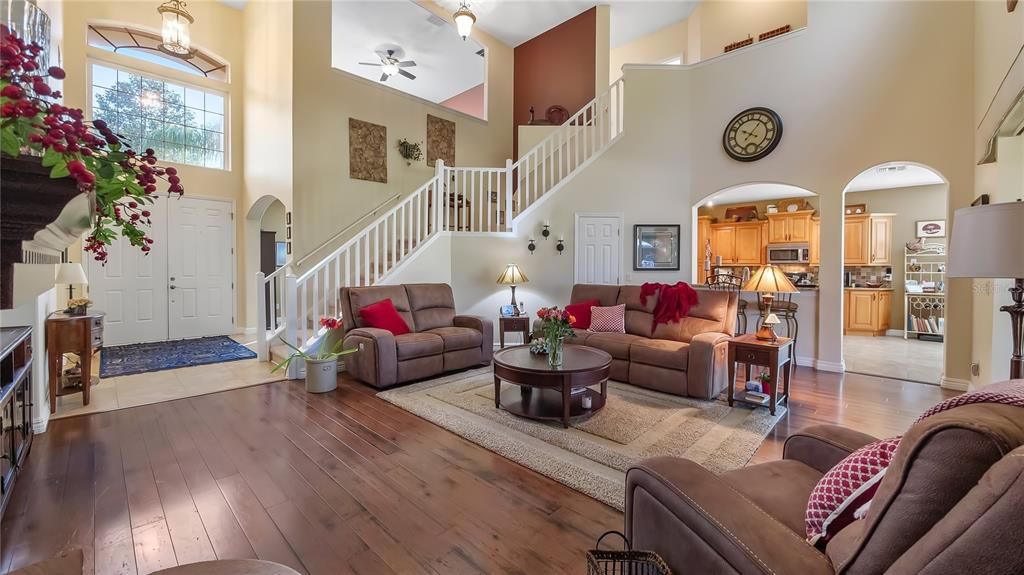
<point x="407" y="75"/>
<point x="370" y="64"/>
<point x="406" y="64"/>
<point x="384" y="77"/>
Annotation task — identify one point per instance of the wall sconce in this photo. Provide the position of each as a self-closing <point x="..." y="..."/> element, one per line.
<point x="531" y="246"/>
<point x="546" y="231"/>
<point x="560" y="246"/>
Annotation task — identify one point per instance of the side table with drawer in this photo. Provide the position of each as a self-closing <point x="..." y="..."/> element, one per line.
<point x="79" y="334"/>
<point x="513" y="323"/>
<point x="777" y="356"/>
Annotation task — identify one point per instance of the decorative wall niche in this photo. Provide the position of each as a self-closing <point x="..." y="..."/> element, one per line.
<point x="367" y="151"/>
<point x="440" y="141"/>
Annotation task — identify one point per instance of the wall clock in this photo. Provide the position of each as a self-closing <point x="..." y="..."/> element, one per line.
<point x="752" y="134"/>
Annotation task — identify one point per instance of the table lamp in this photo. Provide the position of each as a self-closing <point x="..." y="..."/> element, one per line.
<point x="510" y="277"/>
<point x="70" y="274"/>
<point x="988" y="242"/>
<point x="768" y="281"/>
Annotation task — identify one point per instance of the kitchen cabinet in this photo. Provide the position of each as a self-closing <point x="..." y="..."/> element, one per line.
<point x="737" y="243"/>
<point x="789" y="227"/>
<point x="867" y="240"/>
<point x="866" y="311"/>
<point x="814" y="253"/>
<point x="703" y="237"/>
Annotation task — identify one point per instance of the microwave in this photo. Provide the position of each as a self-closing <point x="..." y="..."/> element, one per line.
<point x="789" y="254"/>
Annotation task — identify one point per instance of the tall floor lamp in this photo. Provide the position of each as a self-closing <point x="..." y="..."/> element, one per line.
<point x="988" y="242"/>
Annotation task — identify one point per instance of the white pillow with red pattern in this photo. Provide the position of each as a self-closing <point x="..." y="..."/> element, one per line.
<point x="609" y="319"/>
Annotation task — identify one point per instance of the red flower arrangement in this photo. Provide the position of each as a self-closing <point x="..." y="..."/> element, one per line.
<point x="104" y="165"/>
<point x="330" y="322"/>
<point x="556" y="323"/>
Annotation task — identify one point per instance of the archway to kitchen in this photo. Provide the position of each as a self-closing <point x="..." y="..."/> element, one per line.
<point x="743" y="227"/>
<point x="894" y="259"/>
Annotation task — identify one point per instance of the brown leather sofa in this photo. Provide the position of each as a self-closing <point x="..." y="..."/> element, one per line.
<point x="440" y="341"/>
<point x="687" y="357"/>
<point x="951" y="502"/>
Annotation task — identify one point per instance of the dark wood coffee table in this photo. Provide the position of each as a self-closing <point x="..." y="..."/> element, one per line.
<point x="551" y="393"/>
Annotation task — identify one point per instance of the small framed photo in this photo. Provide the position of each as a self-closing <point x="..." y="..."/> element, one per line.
<point x="507" y="310"/>
<point x="656" y="247"/>
<point x="930" y="228"/>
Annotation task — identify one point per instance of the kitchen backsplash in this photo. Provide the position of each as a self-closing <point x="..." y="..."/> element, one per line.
<point x="867" y="274"/>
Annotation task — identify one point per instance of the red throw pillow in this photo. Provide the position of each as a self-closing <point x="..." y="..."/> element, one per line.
<point x="581" y="311"/>
<point x="846" y="488"/>
<point x="610" y="319"/>
<point x="383" y="315"/>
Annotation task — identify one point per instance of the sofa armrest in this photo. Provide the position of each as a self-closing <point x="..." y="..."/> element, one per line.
<point x="707" y="369"/>
<point x="486" y="329"/>
<point x="699" y="524"/>
<point x="376" y="362"/>
<point x="823" y="446"/>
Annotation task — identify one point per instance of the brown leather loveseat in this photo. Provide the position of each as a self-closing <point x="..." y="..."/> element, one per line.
<point x="440" y="341"/>
<point x="950" y="503"/>
<point x="687" y="357"/>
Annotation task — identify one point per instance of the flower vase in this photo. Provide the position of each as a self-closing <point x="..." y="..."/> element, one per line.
<point x="555" y="353"/>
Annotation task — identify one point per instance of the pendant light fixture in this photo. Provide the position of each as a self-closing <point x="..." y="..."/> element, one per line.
<point x="464" y="20"/>
<point x="177" y="40"/>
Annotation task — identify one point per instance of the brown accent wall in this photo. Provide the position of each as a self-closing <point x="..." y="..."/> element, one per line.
<point x="557" y="67"/>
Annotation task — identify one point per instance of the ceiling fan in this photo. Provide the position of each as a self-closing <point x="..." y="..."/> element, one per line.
<point x="391" y="65"/>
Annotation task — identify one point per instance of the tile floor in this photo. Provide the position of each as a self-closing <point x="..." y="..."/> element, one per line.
<point x="894" y="357"/>
<point x="145" y="388"/>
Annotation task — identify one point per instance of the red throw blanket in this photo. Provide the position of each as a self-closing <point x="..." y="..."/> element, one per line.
<point x="674" y="301"/>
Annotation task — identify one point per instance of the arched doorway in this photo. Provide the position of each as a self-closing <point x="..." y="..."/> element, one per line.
<point x="893" y="282"/>
<point x="740" y="228"/>
<point x="265" y="232"/>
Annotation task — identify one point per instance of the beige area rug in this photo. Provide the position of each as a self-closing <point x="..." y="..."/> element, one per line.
<point x="593" y="455"/>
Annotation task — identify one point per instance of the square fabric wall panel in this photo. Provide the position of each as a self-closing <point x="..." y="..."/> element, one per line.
<point x="367" y="151"/>
<point x="440" y="141"/>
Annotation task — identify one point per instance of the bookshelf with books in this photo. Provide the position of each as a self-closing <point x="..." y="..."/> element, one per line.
<point x="924" y="296"/>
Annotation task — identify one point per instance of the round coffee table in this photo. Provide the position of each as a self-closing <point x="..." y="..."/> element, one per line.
<point x="551" y="393"/>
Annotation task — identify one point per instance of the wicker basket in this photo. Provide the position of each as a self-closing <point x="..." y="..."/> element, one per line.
<point x="625" y="562"/>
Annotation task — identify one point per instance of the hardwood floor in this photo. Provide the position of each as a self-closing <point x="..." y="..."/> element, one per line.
<point x="342" y="483"/>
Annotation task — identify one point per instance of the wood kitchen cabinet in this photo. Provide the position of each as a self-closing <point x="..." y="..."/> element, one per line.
<point x="867" y="240"/>
<point x="789" y="227"/>
<point x="866" y="311"/>
<point x="814" y="253"/>
<point x="738" y="243"/>
<point x="703" y="236"/>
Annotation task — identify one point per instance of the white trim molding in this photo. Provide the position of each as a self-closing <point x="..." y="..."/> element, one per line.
<point x="954" y="383"/>
<point x="831" y="366"/>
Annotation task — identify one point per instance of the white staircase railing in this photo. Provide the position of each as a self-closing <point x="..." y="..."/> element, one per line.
<point x="476" y="200"/>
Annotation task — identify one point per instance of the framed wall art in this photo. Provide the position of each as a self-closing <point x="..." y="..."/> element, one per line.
<point x="655" y="247"/>
<point x="930" y="228"/>
<point x="367" y="151"/>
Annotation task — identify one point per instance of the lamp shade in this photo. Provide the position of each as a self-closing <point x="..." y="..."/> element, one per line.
<point x="512" y="276"/>
<point x="70" y="273"/>
<point x="987" y="242"/>
<point x="464" y="20"/>
<point x="769" y="279"/>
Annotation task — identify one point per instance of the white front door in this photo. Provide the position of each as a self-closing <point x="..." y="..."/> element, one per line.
<point x="598" y="249"/>
<point x="132" y="287"/>
<point x="182" y="289"/>
<point x="199" y="267"/>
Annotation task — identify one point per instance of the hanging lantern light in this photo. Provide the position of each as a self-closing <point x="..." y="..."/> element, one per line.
<point x="464" y="20"/>
<point x="177" y="40"/>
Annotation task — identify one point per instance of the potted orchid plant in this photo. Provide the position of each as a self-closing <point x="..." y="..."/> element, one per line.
<point x="556" y="325"/>
<point x="36" y="129"/>
<point x="321" y="365"/>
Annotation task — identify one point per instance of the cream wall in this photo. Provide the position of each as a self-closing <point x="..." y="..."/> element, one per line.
<point x="217" y="29"/>
<point x="723" y="22"/>
<point x="654" y="48"/>
<point x="844" y="111"/>
<point x="325" y="199"/>
<point x="909" y="205"/>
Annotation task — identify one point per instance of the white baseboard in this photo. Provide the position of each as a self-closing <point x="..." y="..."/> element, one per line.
<point x="954" y="383"/>
<point x="39" y="424"/>
<point x="829" y="366"/>
<point x="805" y="361"/>
<point x="894" y="333"/>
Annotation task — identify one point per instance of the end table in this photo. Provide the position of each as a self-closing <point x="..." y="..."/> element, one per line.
<point x="776" y="355"/>
<point x="513" y="323"/>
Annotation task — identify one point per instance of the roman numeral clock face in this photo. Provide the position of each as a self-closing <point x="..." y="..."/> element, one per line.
<point x="752" y="134"/>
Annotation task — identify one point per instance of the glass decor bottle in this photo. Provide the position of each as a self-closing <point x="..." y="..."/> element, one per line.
<point x="555" y="352"/>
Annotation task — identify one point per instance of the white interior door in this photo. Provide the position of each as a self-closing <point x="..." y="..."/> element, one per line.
<point x="200" y="271"/>
<point x="598" y="249"/>
<point x="132" y="287"/>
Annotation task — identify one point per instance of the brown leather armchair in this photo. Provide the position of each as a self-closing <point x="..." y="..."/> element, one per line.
<point x="951" y="502"/>
<point x="440" y="340"/>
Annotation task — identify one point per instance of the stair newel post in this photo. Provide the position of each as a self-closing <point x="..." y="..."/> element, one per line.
<point x="440" y="195"/>
<point x="291" y="325"/>
<point x="508" y="194"/>
<point x="262" y="348"/>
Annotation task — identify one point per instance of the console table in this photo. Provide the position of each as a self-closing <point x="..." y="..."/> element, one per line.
<point x="15" y="406"/>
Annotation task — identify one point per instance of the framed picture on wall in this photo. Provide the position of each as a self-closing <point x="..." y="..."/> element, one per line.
<point x="930" y="228"/>
<point x="655" y="247"/>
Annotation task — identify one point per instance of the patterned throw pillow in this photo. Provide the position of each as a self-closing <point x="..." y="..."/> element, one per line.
<point x="840" y="494"/>
<point x="611" y="319"/>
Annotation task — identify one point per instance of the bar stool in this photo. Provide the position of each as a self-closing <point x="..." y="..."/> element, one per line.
<point x="729" y="282"/>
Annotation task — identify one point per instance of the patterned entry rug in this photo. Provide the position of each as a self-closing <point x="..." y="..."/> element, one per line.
<point x="593" y="455"/>
<point x="161" y="355"/>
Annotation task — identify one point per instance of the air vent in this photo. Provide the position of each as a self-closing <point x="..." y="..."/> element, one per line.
<point x="891" y="169"/>
<point x="437" y="20"/>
